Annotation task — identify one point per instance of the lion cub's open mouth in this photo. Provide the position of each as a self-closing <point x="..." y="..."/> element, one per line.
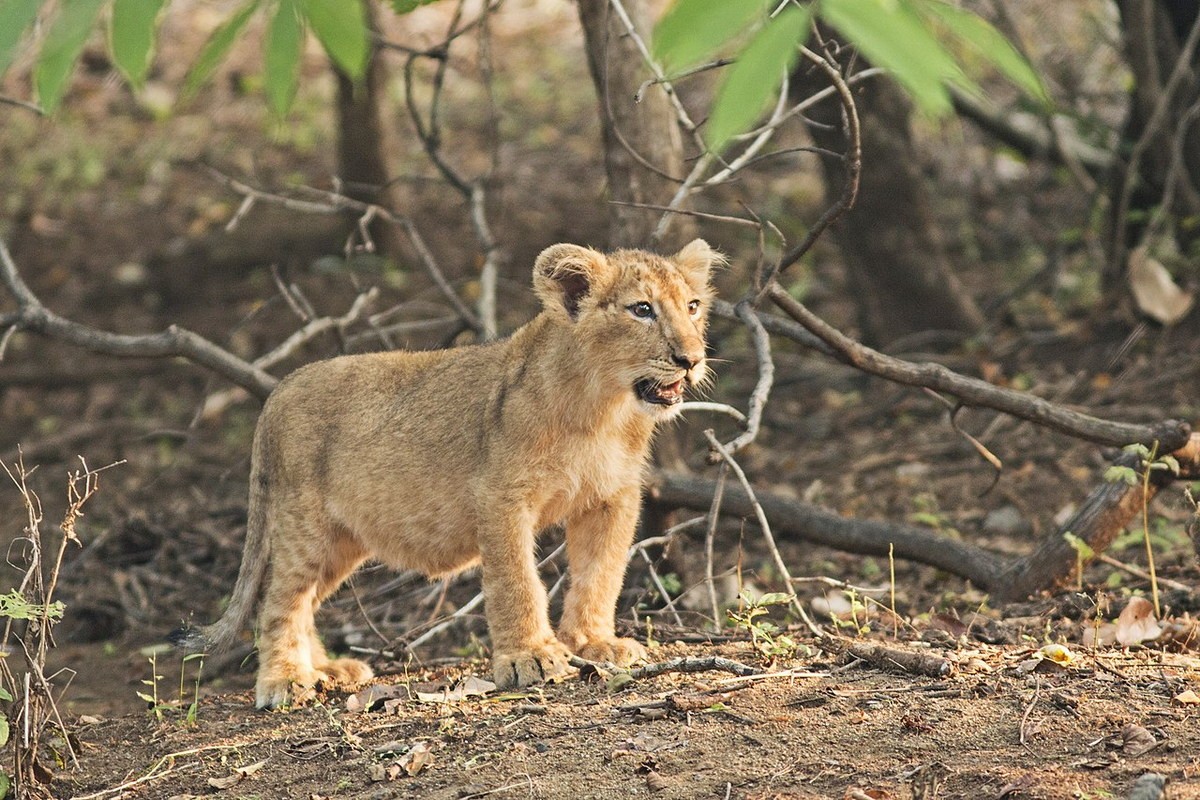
<point x="660" y="394"/>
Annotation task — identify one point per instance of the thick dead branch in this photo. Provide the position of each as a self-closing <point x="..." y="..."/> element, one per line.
<point x="809" y="523"/>
<point x="1105" y="513"/>
<point x="34" y="317"/>
<point x="1102" y="517"/>
<point x="1169" y="435"/>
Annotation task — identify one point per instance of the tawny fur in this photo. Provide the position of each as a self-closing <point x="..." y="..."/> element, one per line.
<point x="438" y="461"/>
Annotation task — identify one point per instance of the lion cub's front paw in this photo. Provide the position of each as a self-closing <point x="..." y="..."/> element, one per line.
<point x="621" y="652"/>
<point x="282" y="693"/>
<point x="518" y="668"/>
<point x="275" y="689"/>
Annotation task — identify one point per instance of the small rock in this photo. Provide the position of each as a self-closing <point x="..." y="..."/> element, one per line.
<point x="1006" y="521"/>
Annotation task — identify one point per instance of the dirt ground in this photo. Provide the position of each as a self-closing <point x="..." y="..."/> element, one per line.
<point x="814" y="728"/>
<point x="113" y="224"/>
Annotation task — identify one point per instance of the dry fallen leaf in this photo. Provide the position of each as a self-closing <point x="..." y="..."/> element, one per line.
<point x="1187" y="698"/>
<point x="1154" y="291"/>
<point x="236" y="777"/>
<point x="1137" y="623"/>
<point x="373" y="696"/>
<point x="1099" y="635"/>
<point x="1136" y="740"/>
<point x="655" y="782"/>
<point x="470" y="686"/>
<point x="417" y="758"/>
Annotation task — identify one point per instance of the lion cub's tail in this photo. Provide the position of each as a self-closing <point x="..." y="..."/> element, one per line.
<point x="255" y="557"/>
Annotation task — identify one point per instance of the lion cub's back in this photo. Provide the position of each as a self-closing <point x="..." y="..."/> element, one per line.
<point x="383" y="442"/>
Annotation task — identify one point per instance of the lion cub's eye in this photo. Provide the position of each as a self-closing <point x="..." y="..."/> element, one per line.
<point x="694" y="307"/>
<point x="642" y="310"/>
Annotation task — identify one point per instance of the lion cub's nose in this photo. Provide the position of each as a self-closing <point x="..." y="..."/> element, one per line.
<point x="686" y="360"/>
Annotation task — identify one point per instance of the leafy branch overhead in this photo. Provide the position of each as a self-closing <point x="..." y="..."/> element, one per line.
<point x="132" y="28"/>
<point x="929" y="46"/>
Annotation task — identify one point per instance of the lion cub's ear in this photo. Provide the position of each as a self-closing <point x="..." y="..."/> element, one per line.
<point x="565" y="273"/>
<point x="697" y="260"/>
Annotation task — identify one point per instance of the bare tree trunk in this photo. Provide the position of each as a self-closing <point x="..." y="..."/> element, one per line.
<point x="647" y="128"/>
<point x="896" y="265"/>
<point x="1159" y="155"/>
<point x="362" y="142"/>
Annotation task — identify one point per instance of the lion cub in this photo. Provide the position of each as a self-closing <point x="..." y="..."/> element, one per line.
<point x="439" y="461"/>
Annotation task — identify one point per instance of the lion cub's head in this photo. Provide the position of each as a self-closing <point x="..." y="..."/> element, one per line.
<point x="638" y="318"/>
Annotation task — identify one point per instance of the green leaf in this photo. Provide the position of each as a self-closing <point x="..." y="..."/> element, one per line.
<point x="891" y="36"/>
<point x="4" y="785"/>
<point x="1081" y="548"/>
<point x="405" y="6"/>
<point x="3" y="733"/>
<point x="694" y="30"/>
<point x="341" y="25"/>
<point x="754" y="78"/>
<point x="989" y="43"/>
<point x="15" y="17"/>
<point x="281" y="67"/>
<point x="774" y="599"/>
<point x="132" y="36"/>
<point x="217" y="47"/>
<point x="1117" y="474"/>
<point x="4" y="695"/>
<point x="61" y="48"/>
<point x="1168" y="463"/>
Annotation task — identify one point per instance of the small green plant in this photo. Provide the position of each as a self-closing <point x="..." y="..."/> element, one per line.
<point x="859" y="621"/>
<point x="1083" y="554"/>
<point x="765" y="636"/>
<point x="186" y="708"/>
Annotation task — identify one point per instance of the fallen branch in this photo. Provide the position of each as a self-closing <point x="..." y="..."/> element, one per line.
<point x="705" y="664"/>
<point x="34" y="317"/>
<point x="891" y="658"/>
<point x="1168" y="436"/>
<point x="1100" y="519"/>
<point x="809" y="523"/>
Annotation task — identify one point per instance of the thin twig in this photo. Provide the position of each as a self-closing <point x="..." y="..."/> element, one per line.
<point x="703" y="664"/>
<point x="1183" y="68"/>
<point x="1037" y="693"/>
<point x="716" y="408"/>
<point x="335" y="203"/>
<point x="766" y="376"/>
<point x="1141" y="573"/>
<point x="315" y="328"/>
<point x="765" y="527"/>
<point x="852" y="160"/>
<point x="710" y="535"/>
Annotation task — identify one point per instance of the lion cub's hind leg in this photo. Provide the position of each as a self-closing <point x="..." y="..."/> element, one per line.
<point x="292" y="660"/>
<point x="346" y="555"/>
